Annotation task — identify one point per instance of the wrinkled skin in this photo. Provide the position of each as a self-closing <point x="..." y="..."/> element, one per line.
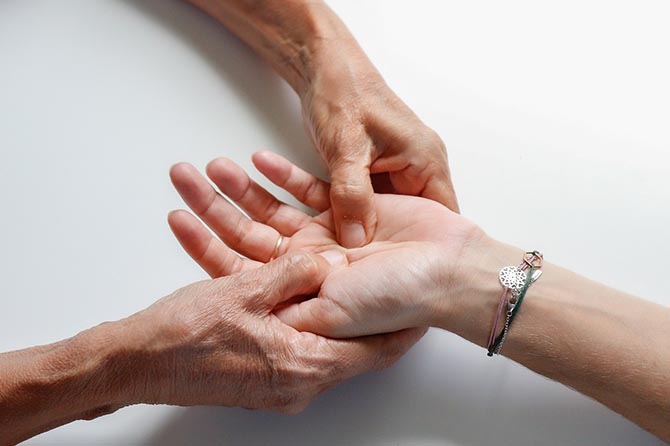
<point x="387" y="285"/>
<point x="371" y="141"/>
<point x="217" y="342"/>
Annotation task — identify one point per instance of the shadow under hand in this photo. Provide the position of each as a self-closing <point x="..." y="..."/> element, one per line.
<point x="433" y="395"/>
<point x="274" y="103"/>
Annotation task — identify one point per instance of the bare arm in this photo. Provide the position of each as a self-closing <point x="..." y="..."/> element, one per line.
<point x="430" y="266"/>
<point x="210" y="343"/>
<point x="356" y="122"/>
<point x="287" y="33"/>
<point x="48" y="386"/>
<point x="603" y="343"/>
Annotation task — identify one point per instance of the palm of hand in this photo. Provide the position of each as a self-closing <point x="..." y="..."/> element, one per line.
<point x="386" y="282"/>
<point x="379" y="287"/>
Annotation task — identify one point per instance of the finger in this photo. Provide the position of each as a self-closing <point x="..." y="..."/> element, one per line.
<point x="321" y="316"/>
<point x="249" y="238"/>
<point x="352" y="199"/>
<point x="305" y="187"/>
<point x="428" y="178"/>
<point x="352" y="357"/>
<point x="295" y="274"/>
<point x="257" y="202"/>
<point x="209" y="252"/>
<point x="441" y="190"/>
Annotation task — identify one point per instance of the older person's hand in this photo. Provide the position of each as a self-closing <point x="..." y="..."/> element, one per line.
<point x="387" y="285"/>
<point x="218" y="343"/>
<point x="371" y="141"/>
<point x="215" y="342"/>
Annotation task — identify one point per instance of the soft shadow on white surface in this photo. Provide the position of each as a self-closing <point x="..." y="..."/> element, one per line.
<point x="274" y="104"/>
<point x="419" y="401"/>
<point x="443" y="392"/>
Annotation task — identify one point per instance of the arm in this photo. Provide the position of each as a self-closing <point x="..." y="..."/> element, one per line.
<point x="79" y="378"/>
<point x="603" y="343"/>
<point x="287" y="34"/>
<point x="211" y="343"/>
<point x="430" y="266"/>
<point x="358" y="125"/>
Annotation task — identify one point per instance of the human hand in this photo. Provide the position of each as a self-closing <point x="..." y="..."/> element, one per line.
<point x="361" y="128"/>
<point x="217" y="342"/>
<point x="394" y="282"/>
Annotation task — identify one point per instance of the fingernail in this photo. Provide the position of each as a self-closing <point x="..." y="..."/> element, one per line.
<point x="352" y="234"/>
<point x="334" y="257"/>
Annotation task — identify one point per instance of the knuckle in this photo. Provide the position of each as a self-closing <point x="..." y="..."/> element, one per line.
<point x="353" y="191"/>
<point x="239" y="233"/>
<point x="433" y="140"/>
<point x="303" y="264"/>
<point x="309" y="191"/>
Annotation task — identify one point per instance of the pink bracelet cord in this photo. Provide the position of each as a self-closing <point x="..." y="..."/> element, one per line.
<point x="496" y="320"/>
<point x="501" y="305"/>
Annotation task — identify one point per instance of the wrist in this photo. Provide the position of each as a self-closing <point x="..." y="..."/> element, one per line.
<point x="103" y="362"/>
<point x="468" y="299"/>
<point x="332" y="56"/>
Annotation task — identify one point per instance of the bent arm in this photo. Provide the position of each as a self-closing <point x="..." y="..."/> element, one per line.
<point x="288" y="34"/>
<point x="604" y="343"/>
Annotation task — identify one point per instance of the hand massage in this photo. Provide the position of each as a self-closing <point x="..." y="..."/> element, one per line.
<point x="300" y="301"/>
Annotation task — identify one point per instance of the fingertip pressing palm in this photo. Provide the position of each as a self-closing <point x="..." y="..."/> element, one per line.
<point x="377" y="288"/>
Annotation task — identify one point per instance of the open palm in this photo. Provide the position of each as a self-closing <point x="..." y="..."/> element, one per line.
<point x="381" y="287"/>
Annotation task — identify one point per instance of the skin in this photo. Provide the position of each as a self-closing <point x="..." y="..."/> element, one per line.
<point x="215" y="342"/>
<point x="255" y="339"/>
<point x="369" y="139"/>
<point x="428" y="266"/>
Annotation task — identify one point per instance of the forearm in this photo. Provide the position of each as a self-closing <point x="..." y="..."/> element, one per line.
<point x="45" y="387"/>
<point x="604" y="343"/>
<point x="299" y="38"/>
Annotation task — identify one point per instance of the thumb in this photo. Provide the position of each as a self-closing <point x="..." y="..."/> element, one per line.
<point x="295" y="274"/>
<point x="321" y="316"/>
<point x="352" y="200"/>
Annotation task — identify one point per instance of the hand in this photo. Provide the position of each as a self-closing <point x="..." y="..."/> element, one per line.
<point x="391" y="283"/>
<point x="217" y="342"/>
<point x="361" y="128"/>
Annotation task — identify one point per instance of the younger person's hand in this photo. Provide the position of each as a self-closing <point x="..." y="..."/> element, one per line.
<point x="387" y="285"/>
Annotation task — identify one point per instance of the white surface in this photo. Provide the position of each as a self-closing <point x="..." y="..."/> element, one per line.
<point x="99" y="98"/>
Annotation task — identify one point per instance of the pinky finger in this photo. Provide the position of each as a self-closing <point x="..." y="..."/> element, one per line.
<point x="208" y="251"/>
<point x="305" y="187"/>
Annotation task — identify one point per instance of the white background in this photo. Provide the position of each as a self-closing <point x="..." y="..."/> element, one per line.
<point x="560" y="105"/>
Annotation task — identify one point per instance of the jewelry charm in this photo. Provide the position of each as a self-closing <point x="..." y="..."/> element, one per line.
<point x="512" y="277"/>
<point x="515" y="281"/>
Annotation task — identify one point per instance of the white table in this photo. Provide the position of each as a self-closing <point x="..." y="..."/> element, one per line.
<point x="99" y="98"/>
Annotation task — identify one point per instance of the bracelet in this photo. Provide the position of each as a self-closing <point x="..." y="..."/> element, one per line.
<point x="515" y="281"/>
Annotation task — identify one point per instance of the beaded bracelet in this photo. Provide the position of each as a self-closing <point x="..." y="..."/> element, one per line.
<point x="515" y="281"/>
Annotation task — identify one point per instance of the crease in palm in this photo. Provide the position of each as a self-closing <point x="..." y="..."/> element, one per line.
<point x="377" y="288"/>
